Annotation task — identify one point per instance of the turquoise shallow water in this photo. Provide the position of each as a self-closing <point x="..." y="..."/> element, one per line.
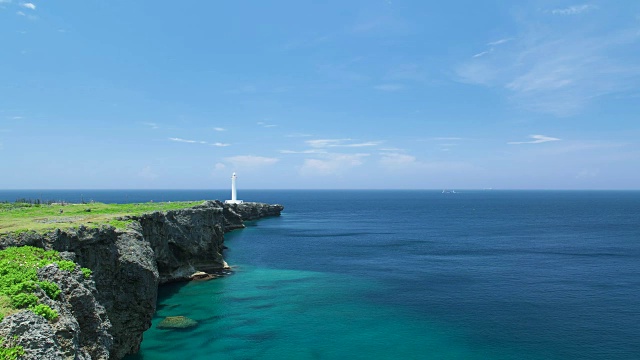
<point x="414" y="275"/>
<point x="260" y="313"/>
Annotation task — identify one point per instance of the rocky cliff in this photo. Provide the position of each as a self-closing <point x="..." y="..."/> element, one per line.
<point x="128" y="265"/>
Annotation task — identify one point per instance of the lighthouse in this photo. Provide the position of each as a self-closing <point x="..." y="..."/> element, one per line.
<point x="234" y="198"/>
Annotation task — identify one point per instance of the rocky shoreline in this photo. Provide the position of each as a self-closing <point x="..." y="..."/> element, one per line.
<point x="105" y="316"/>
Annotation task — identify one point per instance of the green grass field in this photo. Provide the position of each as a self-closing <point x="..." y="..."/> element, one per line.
<point x="21" y="217"/>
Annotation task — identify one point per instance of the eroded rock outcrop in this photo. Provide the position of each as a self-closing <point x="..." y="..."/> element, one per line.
<point x="34" y="334"/>
<point x="127" y="267"/>
<point x="236" y="214"/>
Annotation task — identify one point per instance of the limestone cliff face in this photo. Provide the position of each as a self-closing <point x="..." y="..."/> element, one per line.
<point x="185" y="241"/>
<point x="127" y="267"/>
<point x="81" y="330"/>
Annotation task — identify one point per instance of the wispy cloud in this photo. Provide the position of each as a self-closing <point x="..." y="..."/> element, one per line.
<point x="184" y="140"/>
<point x="331" y="164"/>
<point x="329" y="143"/>
<point x="219" y="129"/>
<point x="265" y="125"/>
<point x="555" y="71"/>
<point x="151" y="125"/>
<point x="311" y="151"/>
<point x="219" y="144"/>
<point x="28" y="6"/>
<point x="483" y="53"/>
<point x="389" y="87"/>
<point x="492" y="47"/>
<point x="499" y="42"/>
<point x="574" y="10"/>
<point x="320" y="143"/>
<point x="537" y="139"/>
<point x="251" y="161"/>
<point x="298" y="135"/>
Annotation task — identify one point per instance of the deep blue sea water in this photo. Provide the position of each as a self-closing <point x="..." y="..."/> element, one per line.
<point x="413" y="275"/>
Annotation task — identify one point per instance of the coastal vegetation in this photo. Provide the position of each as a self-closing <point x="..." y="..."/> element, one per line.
<point x="19" y="281"/>
<point x="9" y="351"/>
<point x="24" y="216"/>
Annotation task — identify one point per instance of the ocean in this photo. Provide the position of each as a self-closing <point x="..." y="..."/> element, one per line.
<point x="410" y="274"/>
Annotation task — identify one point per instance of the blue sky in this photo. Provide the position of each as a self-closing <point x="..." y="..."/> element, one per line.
<point x="320" y="94"/>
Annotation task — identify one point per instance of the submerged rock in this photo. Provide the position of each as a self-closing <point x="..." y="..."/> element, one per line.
<point x="177" y="322"/>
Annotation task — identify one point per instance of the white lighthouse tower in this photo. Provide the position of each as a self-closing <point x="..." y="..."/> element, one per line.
<point x="234" y="198"/>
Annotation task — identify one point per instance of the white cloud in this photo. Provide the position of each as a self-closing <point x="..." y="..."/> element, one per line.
<point x="555" y="71"/>
<point x="265" y="125"/>
<point x="499" y="42"/>
<point x="219" y="167"/>
<point x="184" y="140"/>
<point x="250" y="161"/>
<point x="331" y="164"/>
<point x="320" y="143"/>
<point x="573" y="10"/>
<point x="151" y="125"/>
<point x="311" y="151"/>
<point x="492" y="47"/>
<point x="219" y="129"/>
<point x="326" y="143"/>
<point x="389" y="87"/>
<point x="364" y="144"/>
<point x="482" y="53"/>
<point x="21" y="13"/>
<point x="537" y="139"/>
<point x="5" y="1"/>
<point x="28" y="6"/>
<point x="219" y="144"/>
<point x="298" y="135"/>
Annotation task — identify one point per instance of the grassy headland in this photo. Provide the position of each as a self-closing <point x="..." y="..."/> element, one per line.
<point x="20" y="217"/>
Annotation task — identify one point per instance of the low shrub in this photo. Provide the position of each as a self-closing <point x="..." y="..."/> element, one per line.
<point x="9" y="351"/>
<point x="19" y="279"/>
<point x="45" y="311"/>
